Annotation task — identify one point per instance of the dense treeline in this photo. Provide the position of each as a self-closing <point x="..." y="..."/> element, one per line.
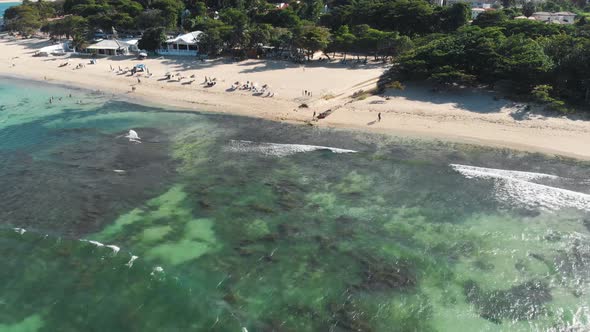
<point x="377" y="27"/>
<point x="424" y="41"/>
<point x="549" y="61"/>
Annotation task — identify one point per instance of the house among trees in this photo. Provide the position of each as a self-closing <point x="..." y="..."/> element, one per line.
<point x="558" y="18"/>
<point x="473" y="3"/>
<point x="186" y="44"/>
<point x="113" y="47"/>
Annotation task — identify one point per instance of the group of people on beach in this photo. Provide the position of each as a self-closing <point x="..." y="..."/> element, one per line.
<point x="306" y="93"/>
<point x="254" y="88"/>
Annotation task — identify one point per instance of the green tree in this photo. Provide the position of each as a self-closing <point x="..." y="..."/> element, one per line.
<point x="70" y="26"/>
<point x="150" y="18"/>
<point x="551" y="6"/>
<point x="24" y="19"/>
<point x="260" y="34"/>
<point x="152" y="39"/>
<point x="508" y="3"/>
<point x="311" y="10"/>
<point x="282" y="39"/>
<point x="239" y="22"/>
<point x="453" y="17"/>
<point x="196" y="7"/>
<point x="342" y="40"/>
<point x="409" y="17"/>
<point x="528" y="8"/>
<point x="171" y="10"/>
<point x="523" y="60"/>
<point x="285" y="18"/>
<point x="216" y="36"/>
<point x="311" y="39"/>
<point x="542" y="94"/>
<point x="490" y="18"/>
<point x="450" y="74"/>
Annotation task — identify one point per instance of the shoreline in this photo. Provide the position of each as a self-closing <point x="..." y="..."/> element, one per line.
<point x="403" y="133"/>
<point x="473" y="118"/>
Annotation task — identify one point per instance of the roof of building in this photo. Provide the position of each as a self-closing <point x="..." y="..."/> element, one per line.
<point x="190" y="38"/>
<point x="108" y="44"/>
<point x="132" y="41"/>
<point x="542" y="13"/>
<point x="565" y="14"/>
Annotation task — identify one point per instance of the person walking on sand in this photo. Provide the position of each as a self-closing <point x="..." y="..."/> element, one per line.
<point x="138" y="80"/>
<point x="313" y="117"/>
<point x="379" y="117"/>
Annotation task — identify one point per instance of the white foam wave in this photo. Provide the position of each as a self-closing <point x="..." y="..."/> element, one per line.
<point x="157" y="269"/>
<point x="96" y="243"/>
<point x="130" y="263"/>
<point x="516" y="187"/>
<point x="114" y="247"/>
<point x="489" y="173"/>
<point x="133" y="136"/>
<point x="278" y="150"/>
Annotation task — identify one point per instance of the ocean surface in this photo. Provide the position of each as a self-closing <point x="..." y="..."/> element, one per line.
<point x="208" y="222"/>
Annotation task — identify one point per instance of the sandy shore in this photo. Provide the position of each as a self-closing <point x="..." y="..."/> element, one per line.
<point x="461" y="116"/>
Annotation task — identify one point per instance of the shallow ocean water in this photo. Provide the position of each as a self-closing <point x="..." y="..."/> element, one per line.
<point x="218" y="223"/>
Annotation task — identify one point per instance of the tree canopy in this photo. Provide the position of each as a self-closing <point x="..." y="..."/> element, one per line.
<point x="423" y="40"/>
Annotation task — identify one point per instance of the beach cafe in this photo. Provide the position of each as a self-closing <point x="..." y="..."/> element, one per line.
<point x="185" y="44"/>
<point x="112" y="47"/>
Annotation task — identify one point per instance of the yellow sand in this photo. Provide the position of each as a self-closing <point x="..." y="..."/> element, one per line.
<point x="464" y="116"/>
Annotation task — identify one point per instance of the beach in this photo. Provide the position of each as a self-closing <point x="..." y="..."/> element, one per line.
<point x="464" y="116"/>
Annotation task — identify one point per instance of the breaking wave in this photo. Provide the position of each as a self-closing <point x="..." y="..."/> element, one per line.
<point x="278" y="150"/>
<point x="517" y="187"/>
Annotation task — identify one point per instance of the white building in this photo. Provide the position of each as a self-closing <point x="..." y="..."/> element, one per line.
<point x="473" y="3"/>
<point x="112" y="47"/>
<point x="558" y="18"/>
<point x="186" y="44"/>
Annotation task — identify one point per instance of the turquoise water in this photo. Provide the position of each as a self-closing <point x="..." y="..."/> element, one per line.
<point x="6" y="5"/>
<point x="204" y="226"/>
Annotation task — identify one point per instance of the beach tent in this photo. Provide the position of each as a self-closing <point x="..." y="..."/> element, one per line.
<point x="110" y="47"/>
